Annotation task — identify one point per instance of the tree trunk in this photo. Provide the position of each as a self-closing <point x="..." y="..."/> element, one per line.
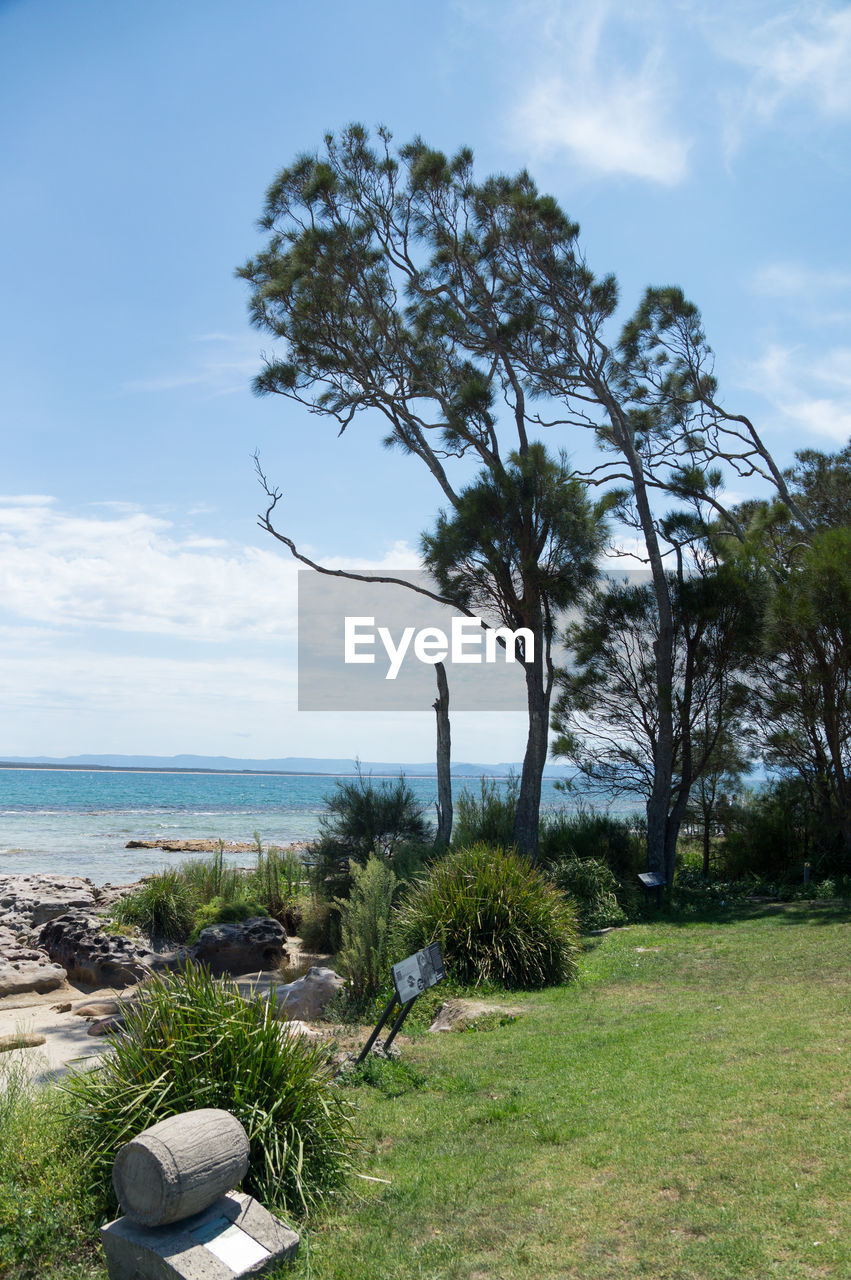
<point x="527" y="813"/>
<point x="444" y="757"/>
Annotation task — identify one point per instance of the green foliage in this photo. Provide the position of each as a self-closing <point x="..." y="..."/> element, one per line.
<point x="213" y="877"/>
<point x="593" y="888"/>
<point x="163" y="907"/>
<point x="320" y="926"/>
<point x="218" y="911"/>
<point x="361" y="818"/>
<point x="278" y="881"/>
<point x="486" y="818"/>
<point x="496" y="918"/>
<point x="774" y="831"/>
<point x="193" y="1041"/>
<point x="589" y="834"/>
<point x="365" y="925"/>
<point x="47" y="1213"/>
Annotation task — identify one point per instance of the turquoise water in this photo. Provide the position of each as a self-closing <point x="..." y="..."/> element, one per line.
<point x="77" y="822"/>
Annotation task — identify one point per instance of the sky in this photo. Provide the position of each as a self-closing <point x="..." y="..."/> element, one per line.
<point x="142" y="611"/>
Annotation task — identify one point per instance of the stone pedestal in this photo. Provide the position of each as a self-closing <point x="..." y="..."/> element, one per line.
<point x="235" y="1236"/>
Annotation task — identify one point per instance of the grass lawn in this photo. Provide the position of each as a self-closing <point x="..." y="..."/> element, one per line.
<point x="682" y="1113"/>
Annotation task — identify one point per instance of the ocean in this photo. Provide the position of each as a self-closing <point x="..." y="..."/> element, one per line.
<point x="78" y="821"/>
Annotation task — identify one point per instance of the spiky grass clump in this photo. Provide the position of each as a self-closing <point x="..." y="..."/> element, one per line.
<point x="193" y="1041"/>
<point x="163" y="907"/>
<point x="497" y="919"/>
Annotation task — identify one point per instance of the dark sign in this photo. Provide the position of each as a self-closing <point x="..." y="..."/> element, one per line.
<point x="651" y="879"/>
<point x="418" y="972"/>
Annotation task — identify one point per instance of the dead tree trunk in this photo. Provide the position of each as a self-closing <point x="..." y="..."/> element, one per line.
<point x="444" y="757"/>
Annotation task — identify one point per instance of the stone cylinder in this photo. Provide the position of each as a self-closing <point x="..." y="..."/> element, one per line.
<point x="180" y="1166"/>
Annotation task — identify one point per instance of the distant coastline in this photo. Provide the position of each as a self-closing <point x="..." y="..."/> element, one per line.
<point x="291" y="767"/>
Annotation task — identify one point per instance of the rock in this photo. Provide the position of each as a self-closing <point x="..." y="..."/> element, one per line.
<point x="244" y="946"/>
<point x="24" y="968"/>
<point x="105" y="1026"/>
<point x="460" y="1015"/>
<point x="98" y="1009"/>
<point x="20" y="1040"/>
<point x="77" y="941"/>
<point x="192" y="846"/>
<point x="307" y="998"/>
<point x="27" y="901"/>
<point x="294" y="1027"/>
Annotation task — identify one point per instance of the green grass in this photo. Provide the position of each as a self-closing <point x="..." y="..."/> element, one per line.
<point x="680" y="1114"/>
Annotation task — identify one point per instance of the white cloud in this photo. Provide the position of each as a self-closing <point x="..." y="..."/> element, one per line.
<point x="796" y="281"/>
<point x="131" y="572"/>
<point x="227" y="363"/>
<point x="612" y="115"/>
<point x="811" y="393"/>
<point x="803" y="53"/>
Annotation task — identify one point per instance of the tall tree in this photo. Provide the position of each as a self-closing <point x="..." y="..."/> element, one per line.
<point x="607" y="712"/>
<point x="519" y="548"/>
<point x="377" y="280"/>
<point x="464" y="314"/>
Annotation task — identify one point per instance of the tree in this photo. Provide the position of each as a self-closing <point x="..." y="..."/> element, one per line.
<point x="400" y="285"/>
<point x="607" y="713"/>
<point x="800" y="707"/>
<point x="520" y="547"/>
<point x="377" y="280"/>
<point x="721" y="777"/>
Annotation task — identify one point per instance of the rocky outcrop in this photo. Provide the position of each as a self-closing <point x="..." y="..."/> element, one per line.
<point x="24" y="968"/>
<point x="244" y="946"/>
<point x="192" y="846"/>
<point x="460" y="1015"/>
<point x="28" y="901"/>
<point x="77" y="941"/>
<point x="306" y="999"/>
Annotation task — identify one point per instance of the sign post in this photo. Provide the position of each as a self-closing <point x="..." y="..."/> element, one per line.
<point x="411" y="977"/>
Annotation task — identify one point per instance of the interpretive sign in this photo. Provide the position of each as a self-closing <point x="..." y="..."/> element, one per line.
<point x="411" y="977"/>
<point x="418" y="972"/>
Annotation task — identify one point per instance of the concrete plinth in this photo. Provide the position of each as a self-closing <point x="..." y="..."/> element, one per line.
<point x="236" y="1236"/>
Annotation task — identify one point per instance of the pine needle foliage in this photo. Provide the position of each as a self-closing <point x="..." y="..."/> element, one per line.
<point x="497" y="918"/>
<point x="193" y="1041"/>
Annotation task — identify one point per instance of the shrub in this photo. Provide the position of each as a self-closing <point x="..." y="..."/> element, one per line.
<point x="496" y="917"/>
<point x="362" y="818"/>
<point x="163" y="907"/>
<point x="591" y="885"/>
<point x="365" y="923"/>
<point x="213" y="877"/>
<point x="489" y="817"/>
<point x="588" y="834"/>
<point x="193" y="1041"/>
<point x="775" y="830"/>
<point x="320" y="926"/>
<point x="277" y="881"/>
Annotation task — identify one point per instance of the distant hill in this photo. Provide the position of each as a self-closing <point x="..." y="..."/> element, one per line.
<point x="288" y="764"/>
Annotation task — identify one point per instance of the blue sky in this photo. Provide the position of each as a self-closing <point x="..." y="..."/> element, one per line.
<point x="141" y="610"/>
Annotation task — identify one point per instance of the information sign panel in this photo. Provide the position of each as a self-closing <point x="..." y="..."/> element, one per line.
<point x="418" y="972"/>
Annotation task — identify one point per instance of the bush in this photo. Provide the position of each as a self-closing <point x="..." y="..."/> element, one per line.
<point x="277" y="881"/>
<point x="320" y="926"/>
<point x="588" y="834"/>
<point x="489" y="817"/>
<point x="362" y="818"/>
<point x="591" y="885"/>
<point x="213" y="877"/>
<point x="365" y="924"/>
<point x="496" y="918"/>
<point x="775" y="831"/>
<point x="163" y="907"/>
<point x="193" y="1041"/>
